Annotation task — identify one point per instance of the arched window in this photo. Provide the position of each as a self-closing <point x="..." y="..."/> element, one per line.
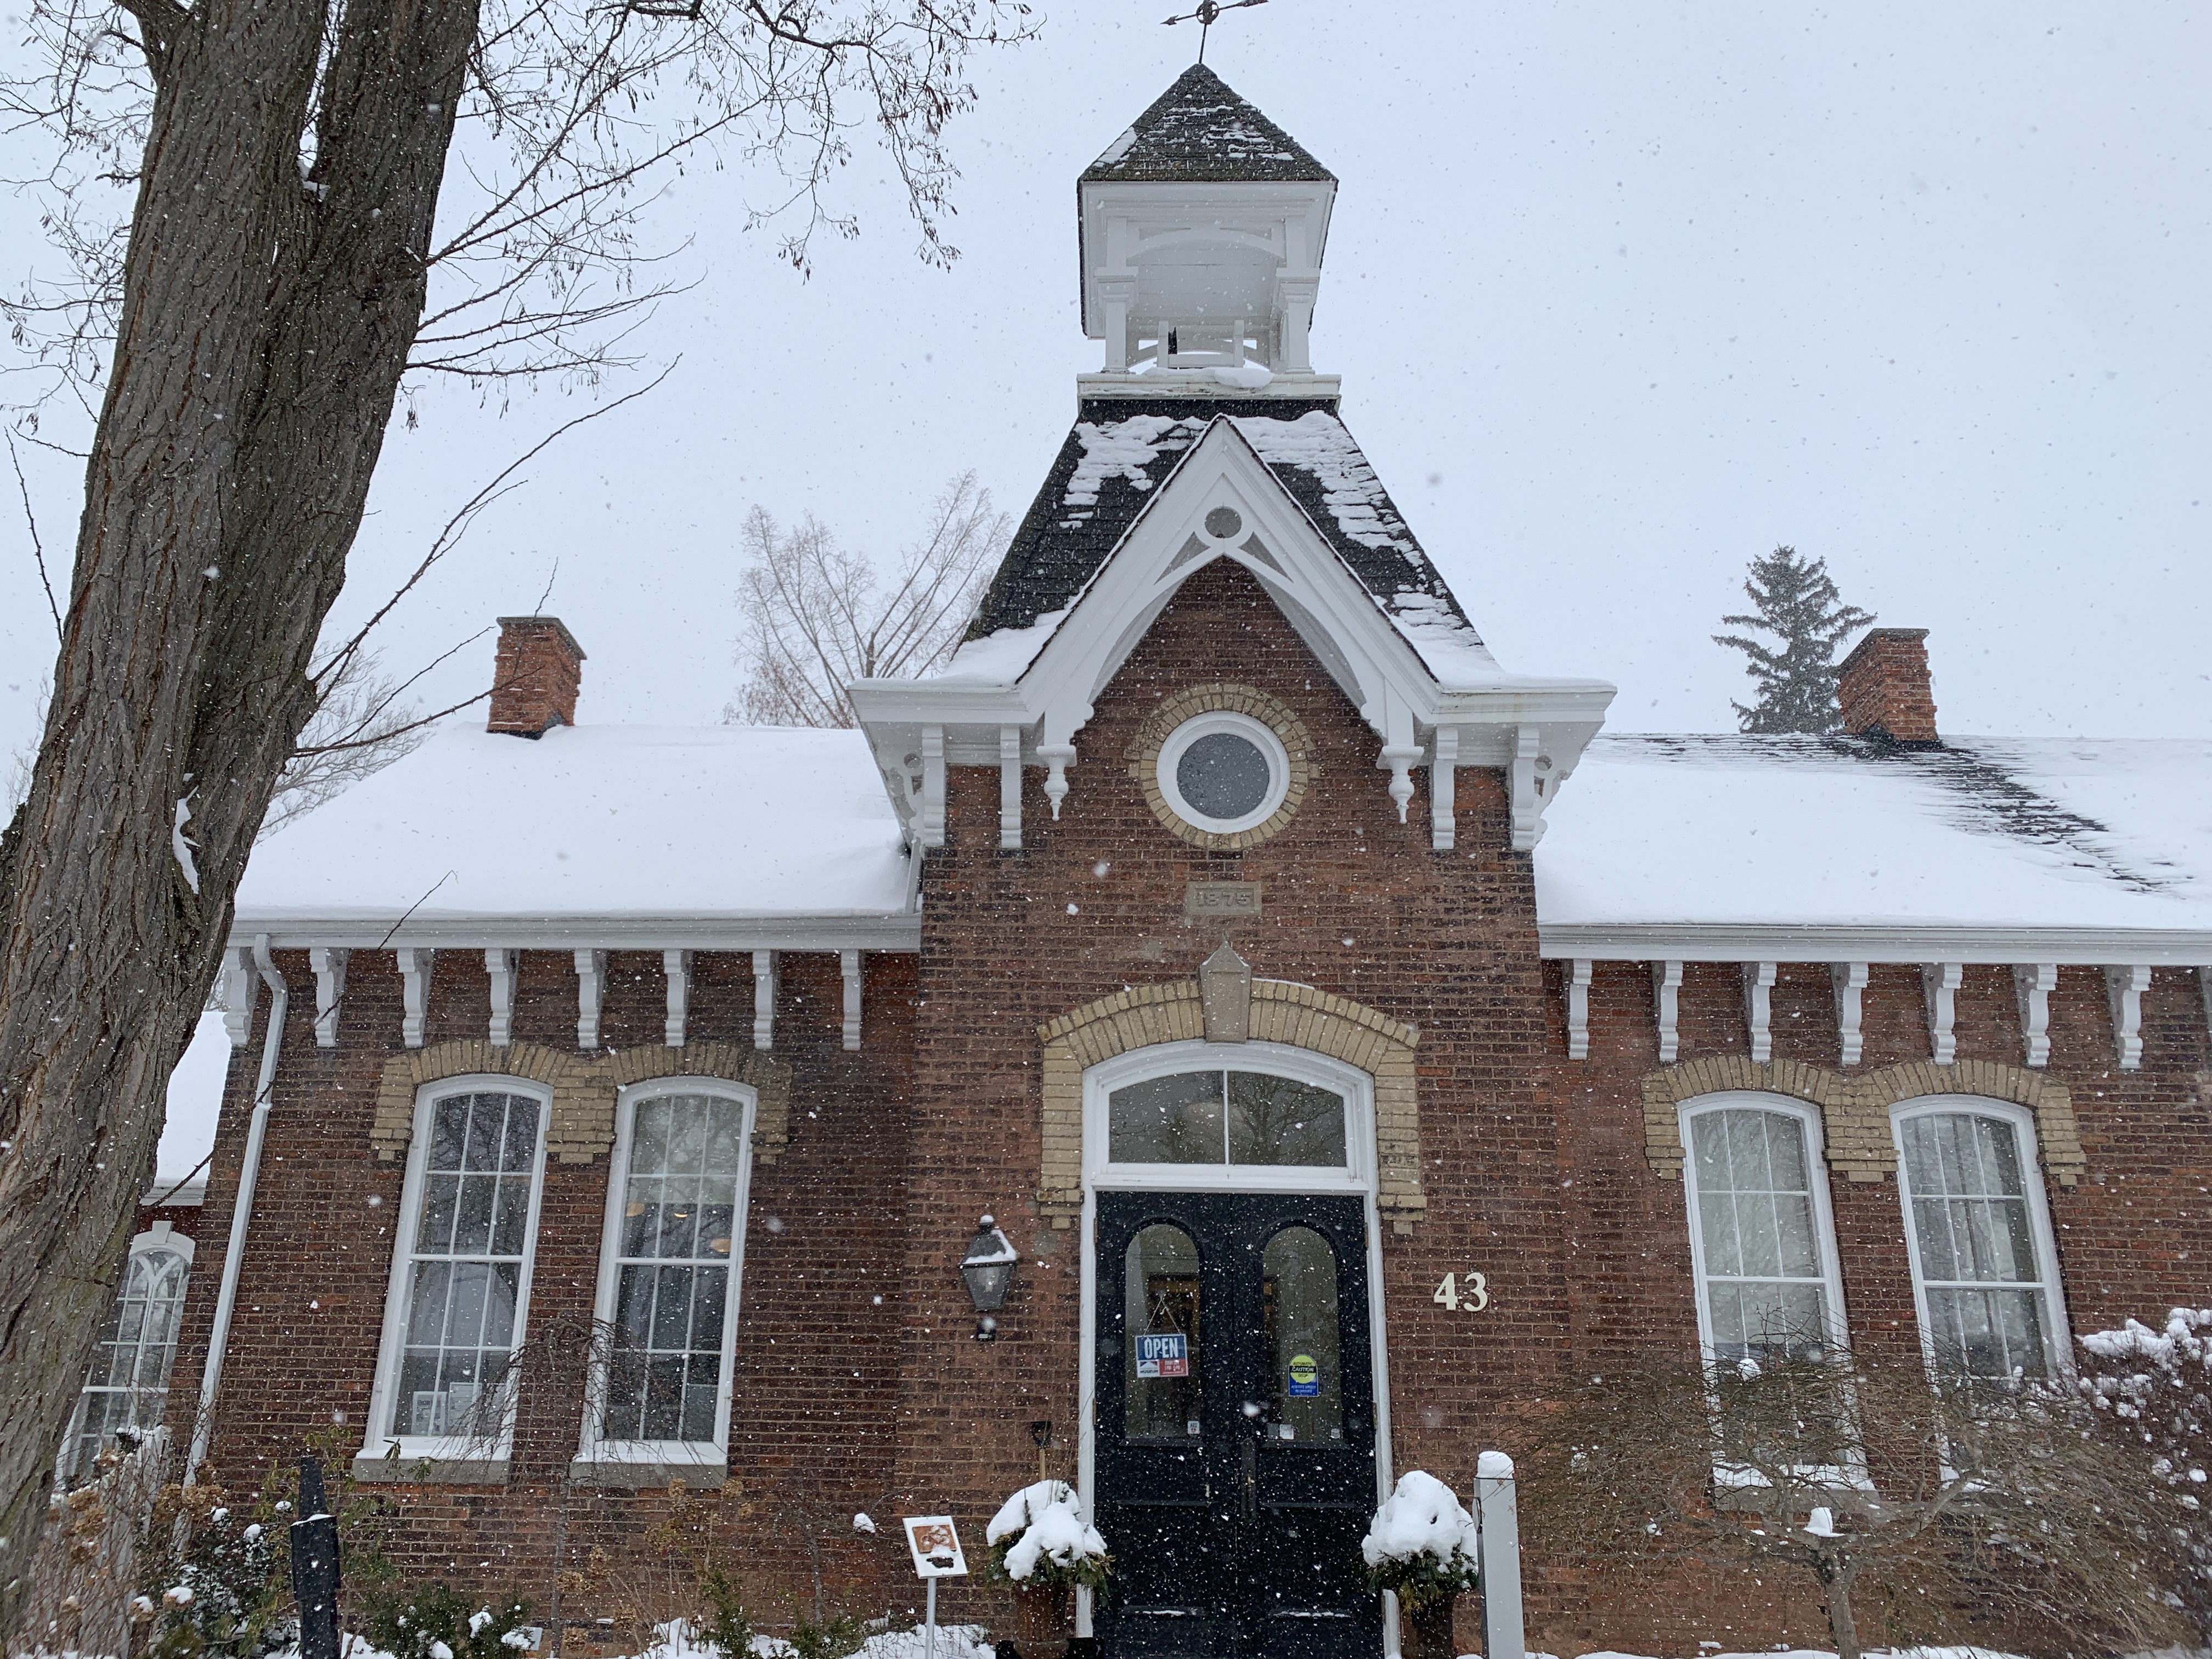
<point x="1198" y="1115"/>
<point x="127" y="1384"/>
<point x="1761" y="1242"/>
<point x="1985" y="1271"/>
<point x="670" y="1264"/>
<point x="459" y="1301"/>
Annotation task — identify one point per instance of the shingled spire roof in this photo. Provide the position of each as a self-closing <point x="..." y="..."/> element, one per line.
<point x="1200" y="131"/>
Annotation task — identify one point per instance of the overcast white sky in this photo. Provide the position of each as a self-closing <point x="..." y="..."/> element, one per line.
<point x="1622" y="295"/>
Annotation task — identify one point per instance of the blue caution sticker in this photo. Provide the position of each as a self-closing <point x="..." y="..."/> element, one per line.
<point x="1163" y="1356"/>
<point x="1305" y="1378"/>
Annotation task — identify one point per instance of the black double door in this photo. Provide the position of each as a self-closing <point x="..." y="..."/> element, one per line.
<point x="1235" y="1426"/>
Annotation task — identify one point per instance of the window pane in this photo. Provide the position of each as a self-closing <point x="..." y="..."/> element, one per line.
<point x="465" y="1286"/>
<point x="1970" y="1221"/>
<point x="127" y="1380"/>
<point x="1765" y="1285"/>
<point x="1273" y="1120"/>
<point x="1160" y="1370"/>
<point x="679" y="1219"/>
<point x="1167" y="1119"/>
<point x="1298" y="1290"/>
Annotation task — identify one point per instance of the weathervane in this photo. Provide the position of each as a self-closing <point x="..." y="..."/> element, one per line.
<point x="1204" y="16"/>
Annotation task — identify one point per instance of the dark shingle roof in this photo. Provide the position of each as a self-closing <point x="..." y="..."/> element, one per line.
<point x="1121" y="450"/>
<point x="1200" y="131"/>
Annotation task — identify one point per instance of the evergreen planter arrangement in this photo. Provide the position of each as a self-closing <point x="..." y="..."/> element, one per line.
<point x="1421" y="1546"/>
<point x="1041" y="1544"/>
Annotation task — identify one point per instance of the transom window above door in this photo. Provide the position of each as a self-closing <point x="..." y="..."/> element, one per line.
<point x="1224" y="1117"/>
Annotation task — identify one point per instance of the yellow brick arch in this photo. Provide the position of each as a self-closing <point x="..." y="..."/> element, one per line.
<point x="1297" y="1015"/>
<point x="584" y="1088"/>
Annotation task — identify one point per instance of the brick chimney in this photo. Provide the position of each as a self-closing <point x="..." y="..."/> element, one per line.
<point x="534" y="677"/>
<point x="1884" y="689"/>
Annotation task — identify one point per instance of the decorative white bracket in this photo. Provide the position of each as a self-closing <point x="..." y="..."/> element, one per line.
<point x="499" y="964"/>
<point x="1443" y="790"/>
<point x="2123" y="989"/>
<point x="1010" y="792"/>
<point x="1759" y="1008"/>
<point x="1666" y="984"/>
<point x="932" y="788"/>
<point x="1939" y="984"/>
<point x="764" y="997"/>
<point x="1850" y="978"/>
<point x="414" y="992"/>
<point x="330" y="966"/>
<point x="677" y="964"/>
<point x="2032" y="983"/>
<point x="1528" y="789"/>
<point x="1399" y="757"/>
<point x="850" y="962"/>
<point x="238" y="993"/>
<point x="1057" y="758"/>
<point x="1578" y="988"/>
<point x="591" y="987"/>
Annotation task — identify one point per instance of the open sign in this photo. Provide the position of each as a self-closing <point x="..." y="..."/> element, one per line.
<point x="1164" y="1356"/>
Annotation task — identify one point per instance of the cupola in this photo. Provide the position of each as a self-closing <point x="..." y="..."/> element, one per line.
<point x="1202" y="229"/>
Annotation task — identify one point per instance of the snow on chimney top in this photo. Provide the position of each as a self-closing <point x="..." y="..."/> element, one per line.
<point x="1884" y="689"/>
<point x="535" y="677"/>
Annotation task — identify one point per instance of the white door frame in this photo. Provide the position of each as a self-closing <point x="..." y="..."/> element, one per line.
<point x="1100" y="1174"/>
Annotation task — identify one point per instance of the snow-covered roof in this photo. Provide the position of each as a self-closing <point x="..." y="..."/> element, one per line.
<point x="593" y="823"/>
<point x="1984" y="836"/>
<point x="1119" y="453"/>
<point x="1199" y="131"/>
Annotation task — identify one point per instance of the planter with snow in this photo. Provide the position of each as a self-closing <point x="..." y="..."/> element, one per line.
<point x="1422" y="1547"/>
<point x="1041" y="1539"/>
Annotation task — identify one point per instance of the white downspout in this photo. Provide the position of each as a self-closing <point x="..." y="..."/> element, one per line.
<point x="241" y="1213"/>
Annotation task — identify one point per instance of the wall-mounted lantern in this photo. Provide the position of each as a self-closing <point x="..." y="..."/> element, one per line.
<point x="988" y="1267"/>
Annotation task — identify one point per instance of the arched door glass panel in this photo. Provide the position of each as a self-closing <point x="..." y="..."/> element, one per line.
<point x="1161" y="1381"/>
<point x="1298" y="1290"/>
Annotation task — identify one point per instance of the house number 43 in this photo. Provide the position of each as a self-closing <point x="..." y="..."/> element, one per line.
<point x="1469" y="1293"/>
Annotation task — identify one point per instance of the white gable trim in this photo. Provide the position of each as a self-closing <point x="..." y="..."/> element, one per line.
<point x="1536" y="728"/>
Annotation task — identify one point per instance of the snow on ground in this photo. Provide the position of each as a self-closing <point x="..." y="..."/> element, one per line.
<point x="596" y="821"/>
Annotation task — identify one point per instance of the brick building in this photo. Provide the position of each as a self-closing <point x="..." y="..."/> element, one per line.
<point x="1354" y="1042"/>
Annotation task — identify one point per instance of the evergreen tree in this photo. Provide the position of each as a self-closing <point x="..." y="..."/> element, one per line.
<point x="1796" y="602"/>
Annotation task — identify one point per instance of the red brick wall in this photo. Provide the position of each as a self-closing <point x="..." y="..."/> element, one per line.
<point x="1355" y="903"/>
<point x="815" y="1355"/>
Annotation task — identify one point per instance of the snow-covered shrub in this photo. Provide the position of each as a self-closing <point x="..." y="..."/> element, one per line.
<point x="437" y="1622"/>
<point x="1040" y="1539"/>
<point x="2153" y="1389"/>
<point x="1421" y="1543"/>
<point x="225" y="1589"/>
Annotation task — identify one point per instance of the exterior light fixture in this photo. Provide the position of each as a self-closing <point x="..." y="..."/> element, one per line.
<point x="988" y="1267"/>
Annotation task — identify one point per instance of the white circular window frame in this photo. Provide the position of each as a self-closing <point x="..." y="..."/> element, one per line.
<point x="1258" y="733"/>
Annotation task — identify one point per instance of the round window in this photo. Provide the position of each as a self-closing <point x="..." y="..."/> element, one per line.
<point x="1222" y="772"/>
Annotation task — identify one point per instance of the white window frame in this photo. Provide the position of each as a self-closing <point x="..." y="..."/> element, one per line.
<point x="163" y="1238"/>
<point x="1258" y="733"/>
<point x="1807" y="1118"/>
<point x="2057" y="1334"/>
<point x="1356" y="1175"/>
<point x="667" y="1453"/>
<point x="377" y="1444"/>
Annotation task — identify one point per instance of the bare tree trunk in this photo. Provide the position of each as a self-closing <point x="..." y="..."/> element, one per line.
<point x="265" y="323"/>
<point x="1843" y="1624"/>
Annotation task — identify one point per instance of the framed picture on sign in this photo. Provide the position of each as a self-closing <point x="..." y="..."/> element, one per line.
<point x="935" y="1546"/>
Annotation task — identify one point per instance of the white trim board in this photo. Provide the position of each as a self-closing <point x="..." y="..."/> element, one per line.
<point x="1887" y="942"/>
<point x="691" y="932"/>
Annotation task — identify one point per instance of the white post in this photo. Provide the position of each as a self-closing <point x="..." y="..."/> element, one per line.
<point x="929" y="1641"/>
<point x="1499" y="1549"/>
